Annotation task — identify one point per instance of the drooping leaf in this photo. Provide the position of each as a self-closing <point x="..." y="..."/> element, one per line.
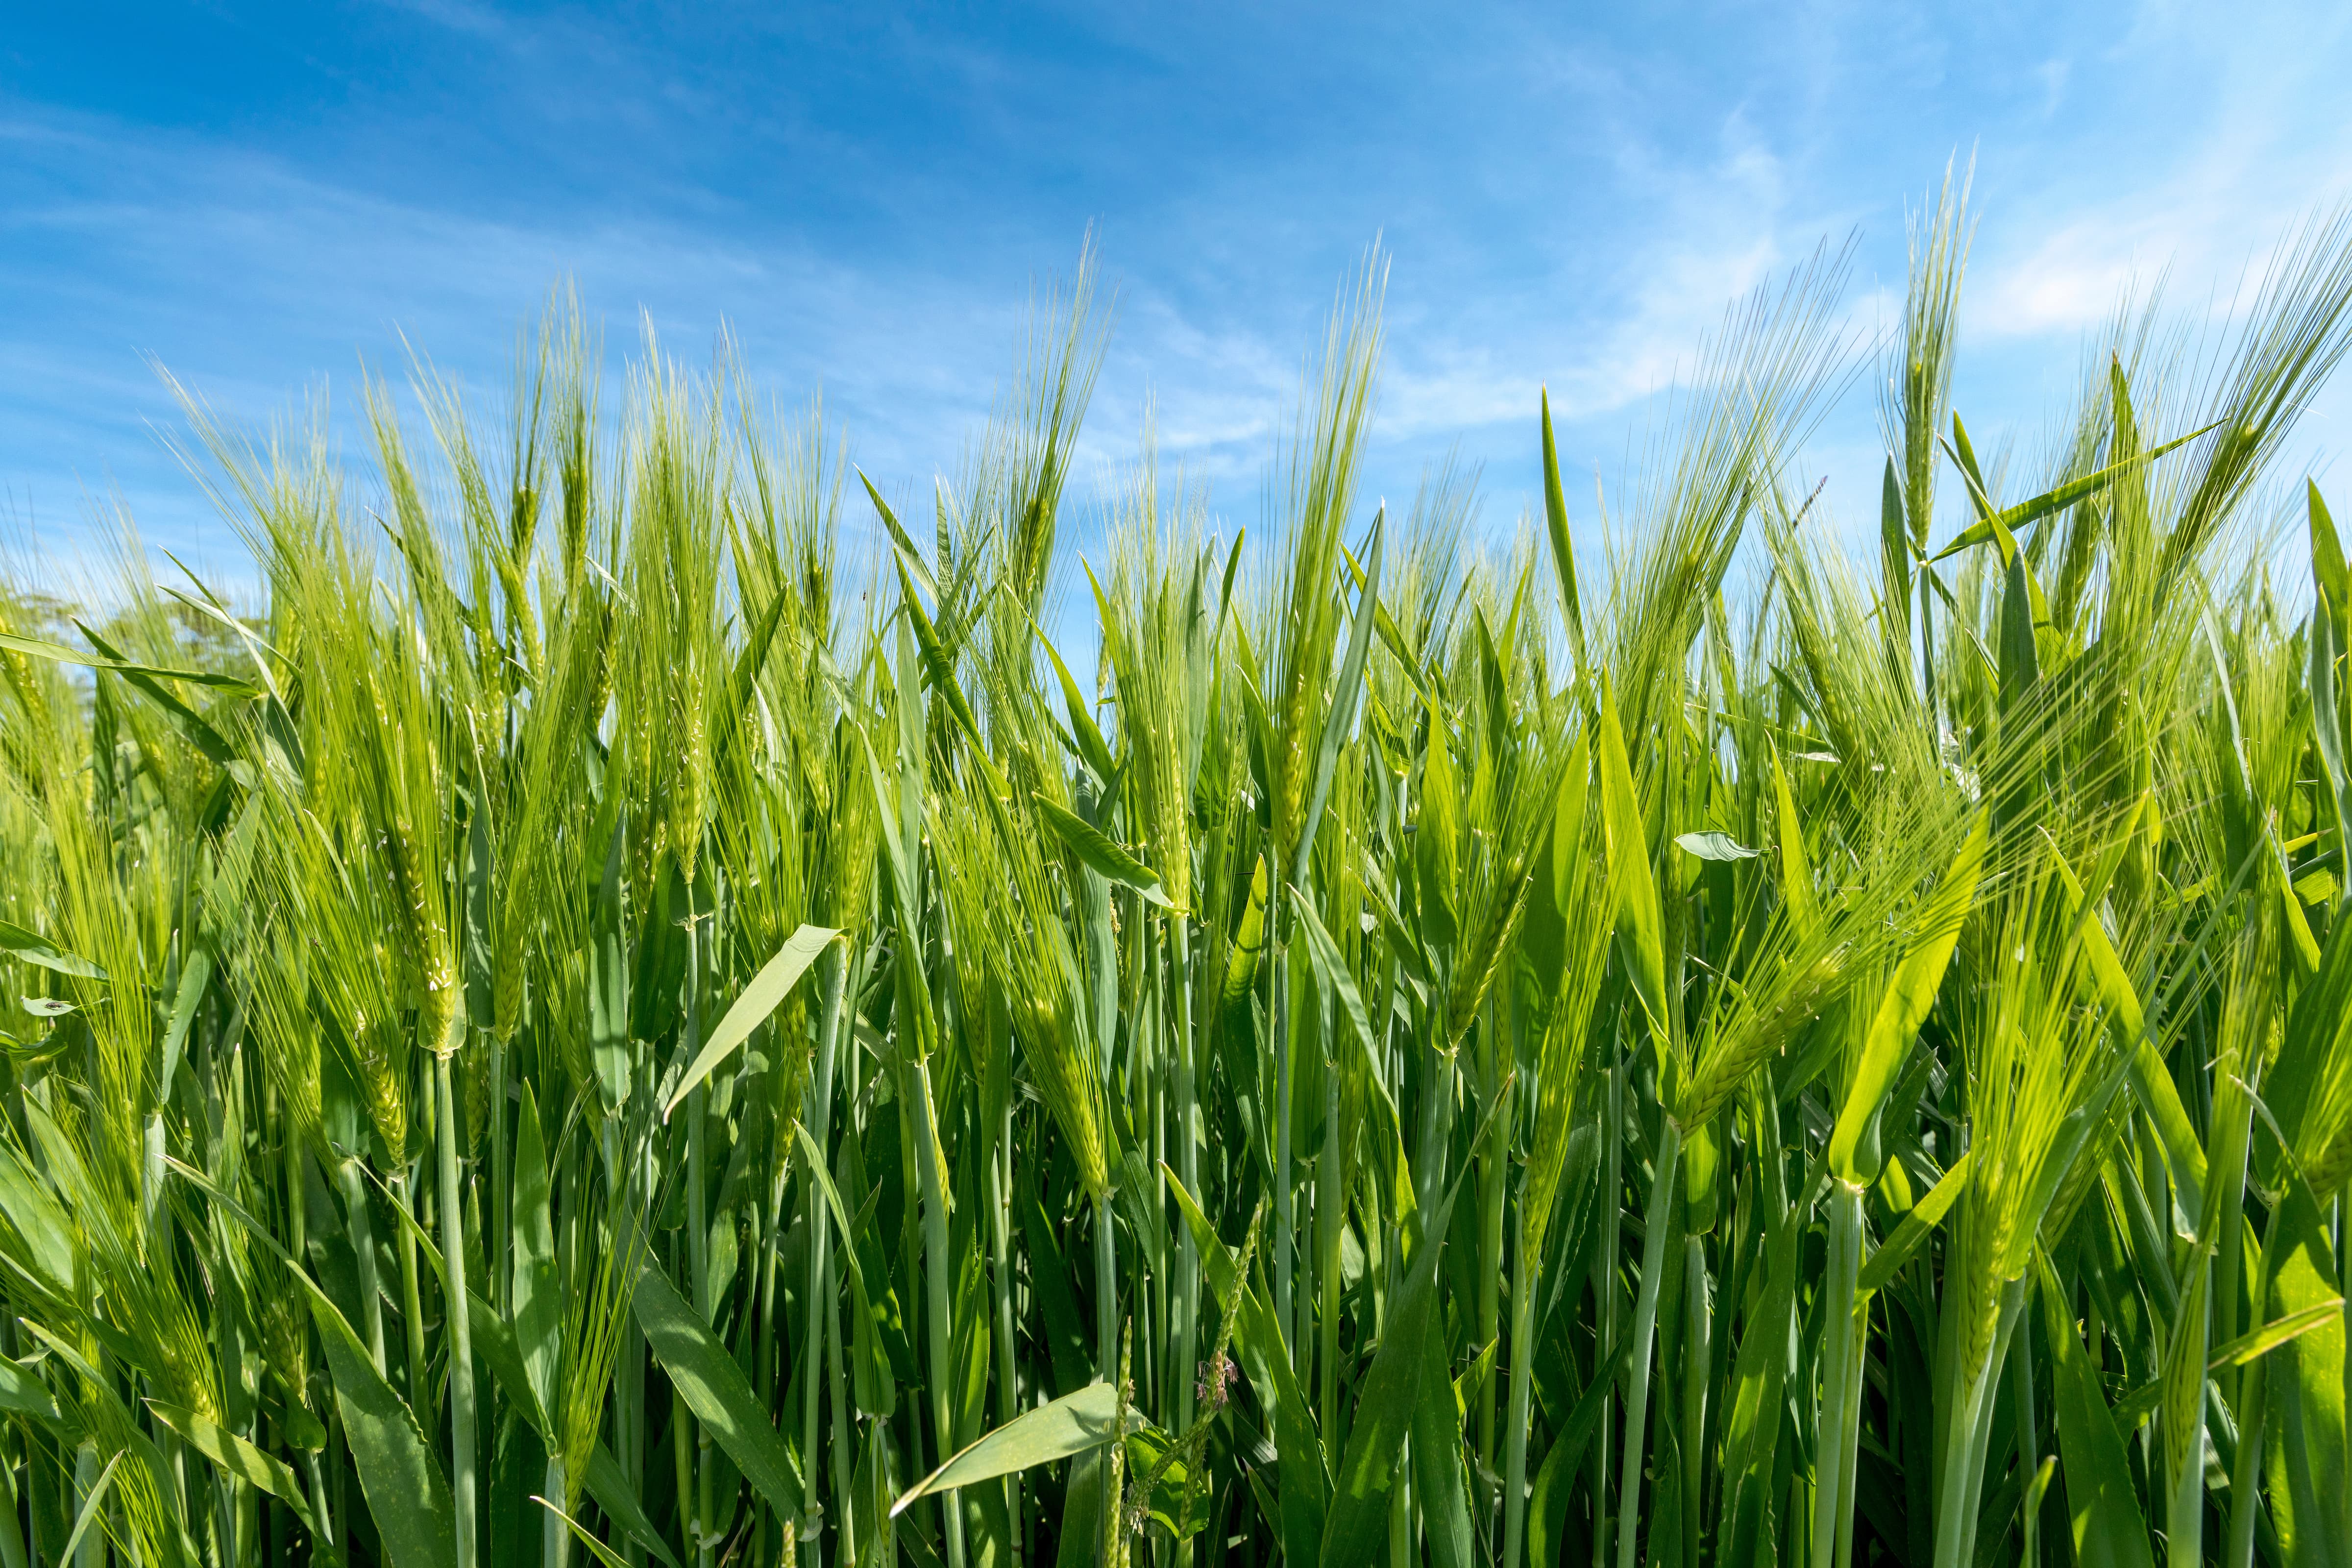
<point x="1714" y="845"/>
<point x="714" y="1387"/>
<point x="762" y="997"/>
<point x="36" y="949"/>
<point x="1102" y="852"/>
<point x="1070" y="1425"/>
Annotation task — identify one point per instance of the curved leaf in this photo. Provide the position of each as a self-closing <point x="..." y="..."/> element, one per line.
<point x="714" y="1387"/>
<point x="762" y="997"/>
<point x="1070" y="1425"/>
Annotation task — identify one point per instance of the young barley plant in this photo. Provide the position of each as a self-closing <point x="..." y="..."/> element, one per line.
<point x="601" y="1018"/>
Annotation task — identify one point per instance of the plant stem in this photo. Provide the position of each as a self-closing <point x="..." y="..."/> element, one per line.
<point x="938" y="1265"/>
<point x="461" y="1337"/>
<point x="833" y="967"/>
<point x="1656" y="1219"/>
<point x="1278" y="1036"/>
<point x="1522" y="1364"/>
<point x="357" y="1220"/>
<point x="1838" y="1413"/>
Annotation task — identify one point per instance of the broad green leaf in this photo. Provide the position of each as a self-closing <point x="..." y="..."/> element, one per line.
<point x="93" y="1505"/>
<point x="1102" y="852"/>
<point x="1563" y="547"/>
<point x="2327" y="569"/>
<point x="1795" y="864"/>
<point x="596" y="1549"/>
<point x="2280" y="1331"/>
<point x="1333" y="968"/>
<point x="1437" y="1458"/>
<point x="1070" y="1425"/>
<point x="762" y="997"/>
<point x="193" y="725"/>
<point x="57" y="653"/>
<point x="911" y="558"/>
<point x="193" y="977"/>
<point x="1356" y="1530"/>
<point x="1714" y="845"/>
<point x="1556" y="1478"/>
<point x="237" y="1458"/>
<point x="2021" y="663"/>
<point x="1346" y="693"/>
<point x="1894" y="556"/>
<point x="538" y="1286"/>
<point x="1916" y="1227"/>
<point x="609" y="1485"/>
<point x="408" y="1494"/>
<point x="22" y="1390"/>
<point x="2151" y="1080"/>
<point x="1990" y="524"/>
<point x="1910" y="993"/>
<point x="2101" y="1501"/>
<point x="36" y="949"/>
<point x="1639" y="920"/>
<point x="714" y="1387"/>
<point x="1083" y="728"/>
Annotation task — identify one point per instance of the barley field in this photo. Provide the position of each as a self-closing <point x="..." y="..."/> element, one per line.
<point x="600" y="1018"/>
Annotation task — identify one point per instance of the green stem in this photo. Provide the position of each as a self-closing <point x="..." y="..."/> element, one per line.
<point x="1514" y="1445"/>
<point x="999" y="1246"/>
<point x="501" y="1237"/>
<point x="937" y="1267"/>
<point x="1278" y="1039"/>
<point x="1698" y="1307"/>
<point x="700" y="1533"/>
<point x="1604" y="1281"/>
<point x="1106" y="1292"/>
<point x="832" y="974"/>
<point x="412" y="1313"/>
<point x="2029" y="1457"/>
<point x="1955" y="1522"/>
<point x="2245" y="1485"/>
<point x="361" y="1226"/>
<point x="1188" y="1171"/>
<point x="1493" y="1158"/>
<point x="1839" y="1412"/>
<point x="461" y="1339"/>
<point x="555" y="1538"/>
<point x="1329" y="1199"/>
<point x="1656" y="1219"/>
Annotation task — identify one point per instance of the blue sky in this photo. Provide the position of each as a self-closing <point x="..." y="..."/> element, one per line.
<point x="259" y="197"/>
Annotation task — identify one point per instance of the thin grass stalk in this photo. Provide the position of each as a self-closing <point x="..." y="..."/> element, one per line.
<point x="1698" y="1310"/>
<point x="1330" y="1201"/>
<point x="1278" y="1041"/>
<point x="463" y="1451"/>
<point x="700" y="1535"/>
<point x="2028" y="1459"/>
<point x="1957" y="1520"/>
<point x="1184" y="1328"/>
<point x="2245" y="1480"/>
<point x="1516" y="1421"/>
<point x="833" y="968"/>
<point x="1494" y="1155"/>
<point x="412" y="1310"/>
<point x="1655" y="1220"/>
<point x="1002" y="1287"/>
<point x="1837" y="1416"/>
<point x="938" y="1270"/>
<point x="1605" y="1285"/>
<point x="360" y="1224"/>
